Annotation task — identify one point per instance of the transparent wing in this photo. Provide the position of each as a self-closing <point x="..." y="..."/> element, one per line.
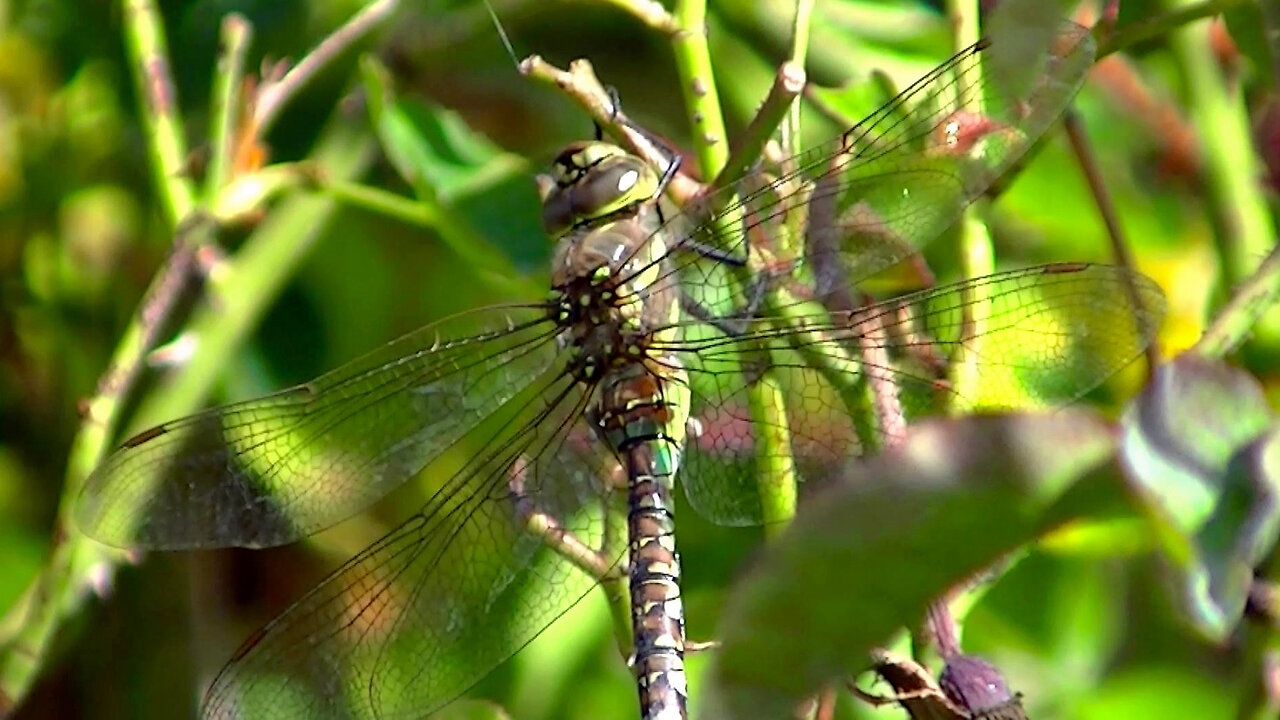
<point x="1032" y="338"/>
<point x="271" y="470"/>
<point x="421" y="615"/>
<point x="842" y="211"/>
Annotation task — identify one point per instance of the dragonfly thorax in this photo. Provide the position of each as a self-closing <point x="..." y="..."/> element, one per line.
<point x="611" y="293"/>
<point x="613" y="289"/>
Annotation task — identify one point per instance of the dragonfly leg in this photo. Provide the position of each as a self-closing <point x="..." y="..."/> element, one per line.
<point x="734" y="325"/>
<point x="556" y="536"/>
<point x="616" y="116"/>
<point x="730" y="326"/>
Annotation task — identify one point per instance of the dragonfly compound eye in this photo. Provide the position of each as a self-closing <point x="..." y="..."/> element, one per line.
<point x="593" y="181"/>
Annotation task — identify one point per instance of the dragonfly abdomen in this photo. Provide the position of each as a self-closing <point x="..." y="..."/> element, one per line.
<point x="642" y="416"/>
<point x="657" y="612"/>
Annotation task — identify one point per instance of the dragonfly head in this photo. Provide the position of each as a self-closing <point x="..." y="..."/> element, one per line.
<point x="589" y="181"/>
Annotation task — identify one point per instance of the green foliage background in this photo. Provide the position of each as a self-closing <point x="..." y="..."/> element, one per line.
<point x="1083" y="625"/>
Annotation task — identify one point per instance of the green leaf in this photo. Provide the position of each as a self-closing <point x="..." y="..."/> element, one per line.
<point x="431" y="147"/>
<point x="867" y="555"/>
<point x="478" y="197"/>
<point x="1198" y="450"/>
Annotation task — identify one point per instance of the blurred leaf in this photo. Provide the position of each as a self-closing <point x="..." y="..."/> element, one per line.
<point x="1156" y="693"/>
<point x="1184" y="427"/>
<point x="473" y="710"/>
<point x="1248" y="30"/>
<point x="867" y="555"/>
<point x="1102" y="539"/>
<point x="846" y="38"/>
<point x="1196" y="446"/>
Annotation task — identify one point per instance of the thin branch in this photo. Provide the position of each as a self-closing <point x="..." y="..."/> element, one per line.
<point x="555" y="535"/>
<point x="580" y="83"/>
<point x="1097" y="188"/>
<point x="872" y="341"/>
<point x="650" y="12"/>
<point x="274" y="95"/>
<point x="788" y="83"/>
<point x="1140" y="32"/>
<point x="800" y="23"/>
<point x="1250" y="300"/>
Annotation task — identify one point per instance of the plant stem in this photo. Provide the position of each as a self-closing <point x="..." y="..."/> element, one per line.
<point x="247" y="283"/>
<point x="787" y="84"/>
<point x="1119" y="247"/>
<point x="977" y="256"/>
<point x="380" y="201"/>
<point x="1237" y="318"/>
<point x="274" y="95"/>
<point x="799" y="53"/>
<point x="698" y="85"/>
<point x="238" y="294"/>
<point x="650" y="12"/>
<point x="777" y="473"/>
<point x="491" y="267"/>
<point x="1160" y="25"/>
<point x="580" y="83"/>
<point x="76" y="566"/>
<point x="149" y="56"/>
<point x="227" y="89"/>
<point x="1242" y="222"/>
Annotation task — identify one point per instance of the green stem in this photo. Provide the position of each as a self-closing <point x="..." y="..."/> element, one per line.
<point x="650" y="12"/>
<point x="1160" y="25"/>
<point x="491" y="267"/>
<point x="1237" y="318"/>
<point x="1243" y="228"/>
<point x="381" y="202"/>
<point x="227" y="86"/>
<point x="977" y="257"/>
<point x="275" y="95"/>
<point x="799" y="53"/>
<point x="243" y="288"/>
<point x="787" y="84"/>
<point x="977" y="260"/>
<point x="698" y="85"/>
<point x="777" y="481"/>
<point x="824" y="350"/>
<point x="800" y="32"/>
<point x="965" y="30"/>
<point x="149" y="56"/>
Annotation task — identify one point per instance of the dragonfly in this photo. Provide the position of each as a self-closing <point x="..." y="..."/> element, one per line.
<point x="721" y="343"/>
